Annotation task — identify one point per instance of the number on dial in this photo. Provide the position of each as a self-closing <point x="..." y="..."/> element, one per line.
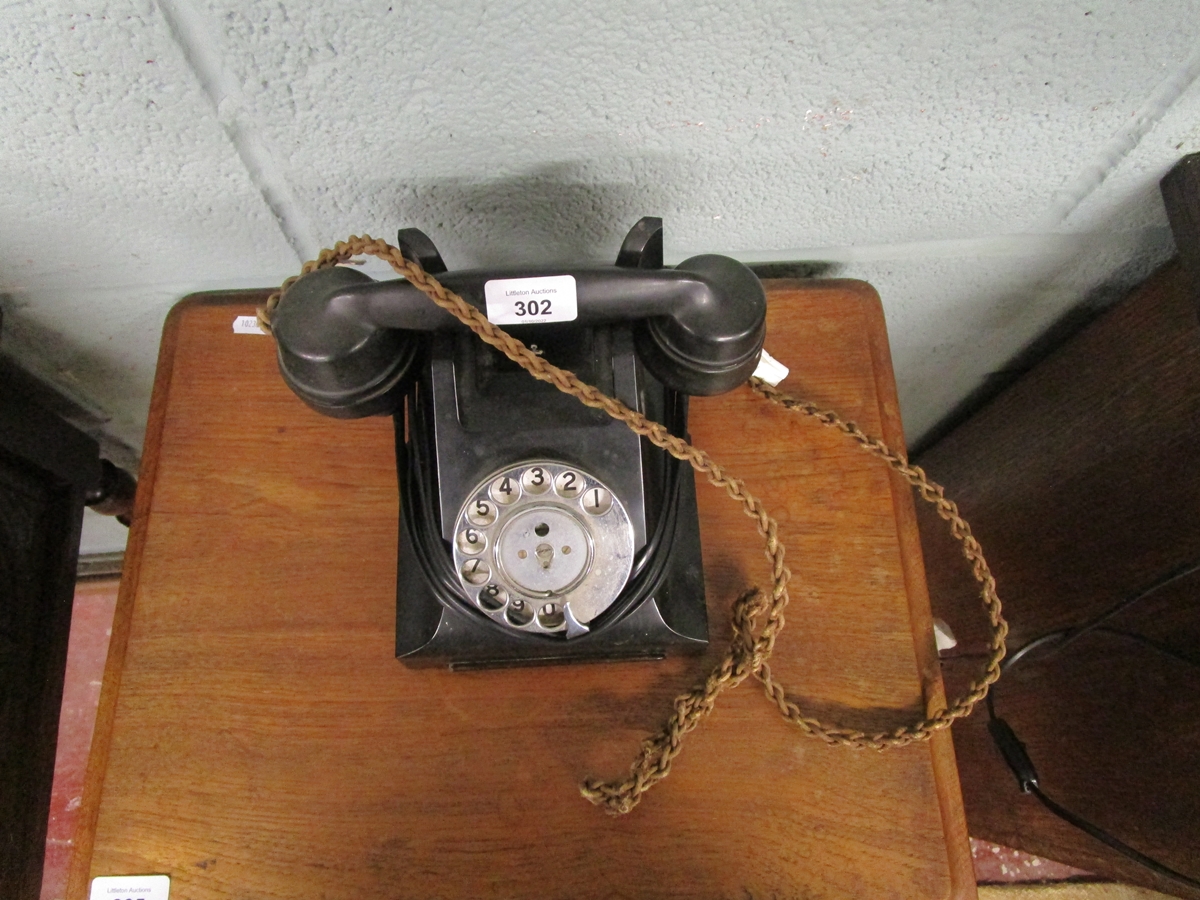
<point x="471" y="541"/>
<point x="493" y="597"/>
<point x="505" y="490"/>
<point x="597" y="501"/>
<point x="568" y="484"/>
<point x="535" y="480"/>
<point x="481" y="513"/>
<point x="475" y="571"/>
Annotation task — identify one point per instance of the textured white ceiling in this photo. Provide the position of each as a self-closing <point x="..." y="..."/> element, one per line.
<point x="987" y="166"/>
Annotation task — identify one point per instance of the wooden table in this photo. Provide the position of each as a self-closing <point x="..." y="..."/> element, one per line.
<point x="257" y="739"/>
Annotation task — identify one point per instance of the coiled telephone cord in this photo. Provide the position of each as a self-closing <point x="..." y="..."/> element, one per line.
<point x="752" y="644"/>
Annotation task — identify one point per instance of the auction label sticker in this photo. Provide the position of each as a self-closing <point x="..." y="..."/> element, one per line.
<point x="247" y="325"/>
<point x="130" y="887"/>
<point x="531" y="301"/>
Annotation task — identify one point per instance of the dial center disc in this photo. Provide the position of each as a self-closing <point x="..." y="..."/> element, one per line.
<point x="544" y="550"/>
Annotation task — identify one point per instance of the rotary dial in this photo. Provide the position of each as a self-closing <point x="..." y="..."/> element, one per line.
<point x="543" y="547"/>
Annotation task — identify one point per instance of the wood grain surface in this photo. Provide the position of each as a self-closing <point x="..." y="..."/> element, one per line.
<point x="257" y="739"/>
<point x="1082" y="482"/>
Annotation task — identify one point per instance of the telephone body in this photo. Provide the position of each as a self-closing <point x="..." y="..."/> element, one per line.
<point x="534" y="529"/>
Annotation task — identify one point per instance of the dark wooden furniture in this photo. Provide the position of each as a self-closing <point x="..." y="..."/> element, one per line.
<point x="47" y="469"/>
<point x="1181" y="196"/>
<point x="1082" y="481"/>
<point x="256" y="737"/>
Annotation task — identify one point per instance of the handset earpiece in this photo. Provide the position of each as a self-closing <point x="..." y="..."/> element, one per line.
<point x="712" y="340"/>
<point x="335" y="359"/>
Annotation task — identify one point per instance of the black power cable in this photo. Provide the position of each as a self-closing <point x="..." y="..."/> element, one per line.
<point x="1017" y="757"/>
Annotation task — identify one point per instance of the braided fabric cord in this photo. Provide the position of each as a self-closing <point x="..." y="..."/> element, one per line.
<point x="752" y="644"/>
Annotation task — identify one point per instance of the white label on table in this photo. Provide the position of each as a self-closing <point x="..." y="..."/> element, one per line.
<point x="770" y="370"/>
<point x="943" y="636"/>
<point x="130" y="887"/>
<point x="531" y="301"/>
<point x="247" y="325"/>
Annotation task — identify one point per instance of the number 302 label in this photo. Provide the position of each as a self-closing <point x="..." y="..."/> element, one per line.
<point x="531" y="301"/>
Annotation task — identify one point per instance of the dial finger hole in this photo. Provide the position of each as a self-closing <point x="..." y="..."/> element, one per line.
<point x="471" y="541"/>
<point x="535" y="480"/>
<point x="597" y="501"/>
<point x="519" y="613"/>
<point x="568" y="484"/>
<point x="475" y="571"/>
<point x="505" y="490"/>
<point x="551" y="616"/>
<point x="493" y="597"/>
<point x="481" y="513"/>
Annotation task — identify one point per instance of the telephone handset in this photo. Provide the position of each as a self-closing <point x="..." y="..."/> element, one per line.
<point x="534" y="529"/>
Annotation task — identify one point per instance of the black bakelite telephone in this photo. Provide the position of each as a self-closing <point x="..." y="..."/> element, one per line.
<point x="532" y="528"/>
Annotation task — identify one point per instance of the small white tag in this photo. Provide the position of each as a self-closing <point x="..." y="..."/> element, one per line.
<point x="943" y="636"/>
<point x="770" y="370"/>
<point x="247" y="325"/>
<point x="130" y="887"/>
<point x="531" y="301"/>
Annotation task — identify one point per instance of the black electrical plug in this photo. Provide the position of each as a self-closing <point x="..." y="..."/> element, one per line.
<point x="1014" y="754"/>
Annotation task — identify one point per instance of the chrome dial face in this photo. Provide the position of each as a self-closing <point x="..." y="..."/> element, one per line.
<point x="543" y="547"/>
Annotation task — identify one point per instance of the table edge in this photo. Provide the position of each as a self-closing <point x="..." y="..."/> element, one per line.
<point x="97" y="766"/>
<point x="941" y="745"/>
